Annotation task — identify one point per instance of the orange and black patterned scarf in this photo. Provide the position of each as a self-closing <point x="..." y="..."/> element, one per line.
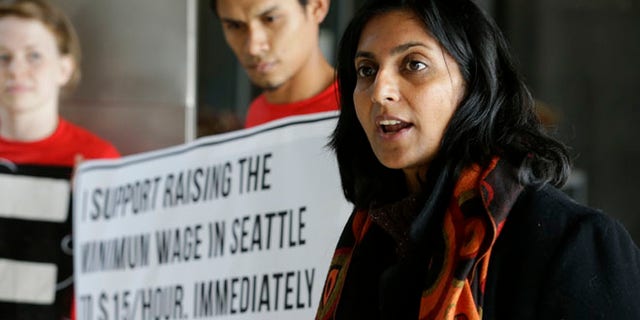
<point x="456" y="271"/>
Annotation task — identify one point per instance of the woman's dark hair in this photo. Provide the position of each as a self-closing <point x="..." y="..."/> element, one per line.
<point x="495" y="117"/>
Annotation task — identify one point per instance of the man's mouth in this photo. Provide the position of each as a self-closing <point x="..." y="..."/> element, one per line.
<point x="262" y="66"/>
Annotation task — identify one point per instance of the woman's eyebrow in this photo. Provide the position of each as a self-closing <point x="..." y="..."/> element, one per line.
<point x="395" y="50"/>
<point x="364" y="54"/>
<point x="409" y="45"/>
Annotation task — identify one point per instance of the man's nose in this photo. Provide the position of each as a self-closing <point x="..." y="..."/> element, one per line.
<point x="258" y="41"/>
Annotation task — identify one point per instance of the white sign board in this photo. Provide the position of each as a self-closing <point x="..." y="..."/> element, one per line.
<point x="235" y="226"/>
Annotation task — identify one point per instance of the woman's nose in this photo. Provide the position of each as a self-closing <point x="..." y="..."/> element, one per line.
<point x="14" y="66"/>
<point x="385" y="87"/>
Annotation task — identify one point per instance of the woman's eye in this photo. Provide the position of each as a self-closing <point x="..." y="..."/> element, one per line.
<point x="415" y="65"/>
<point x="33" y="56"/>
<point x="5" y="58"/>
<point x="365" y="71"/>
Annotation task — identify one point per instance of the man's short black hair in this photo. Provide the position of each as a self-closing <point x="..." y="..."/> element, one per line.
<point x="213" y="3"/>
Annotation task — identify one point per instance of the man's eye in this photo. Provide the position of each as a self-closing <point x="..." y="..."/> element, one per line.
<point x="365" y="71"/>
<point x="270" y="19"/>
<point x="415" y="65"/>
<point x="232" y="25"/>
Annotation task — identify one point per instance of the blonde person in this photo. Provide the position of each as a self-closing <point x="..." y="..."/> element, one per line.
<point x="39" y="58"/>
<point x="457" y="212"/>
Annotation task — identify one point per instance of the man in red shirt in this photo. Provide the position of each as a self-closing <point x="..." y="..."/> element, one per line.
<point x="277" y="43"/>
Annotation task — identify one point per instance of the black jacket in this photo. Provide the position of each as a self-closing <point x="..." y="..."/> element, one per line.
<point x="553" y="259"/>
<point x="556" y="259"/>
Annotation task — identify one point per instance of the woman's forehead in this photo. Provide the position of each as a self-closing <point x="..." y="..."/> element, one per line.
<point x="394" y="31"/>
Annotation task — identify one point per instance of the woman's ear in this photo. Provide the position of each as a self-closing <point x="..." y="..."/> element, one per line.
<point x="67" y="68"/>
<point x="319" y="9"/>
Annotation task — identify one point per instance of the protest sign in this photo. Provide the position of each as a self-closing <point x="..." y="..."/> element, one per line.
<point x="235" y="226"/>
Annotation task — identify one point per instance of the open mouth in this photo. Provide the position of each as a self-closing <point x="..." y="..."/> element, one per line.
<point x="393" y="126"/>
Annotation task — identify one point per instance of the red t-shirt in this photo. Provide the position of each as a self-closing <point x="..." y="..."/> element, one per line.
<point x="261" y="111"/>
<point x="59" y="149"/>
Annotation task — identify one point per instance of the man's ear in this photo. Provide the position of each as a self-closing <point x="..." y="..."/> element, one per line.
<point x="319" y="9"/>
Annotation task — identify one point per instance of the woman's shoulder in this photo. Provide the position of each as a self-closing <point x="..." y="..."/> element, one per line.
<point x="576" y="261"/>
<point x="92" y="146"/>
<point x="547" y="220"/>
<point x="552" y="213"/>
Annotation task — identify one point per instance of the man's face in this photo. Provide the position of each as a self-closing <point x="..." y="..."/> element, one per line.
<point x="272" y="39"/>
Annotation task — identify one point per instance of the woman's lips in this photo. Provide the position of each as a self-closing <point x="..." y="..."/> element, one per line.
<point x="14" y="89"/>
<point x="390" y="126"/>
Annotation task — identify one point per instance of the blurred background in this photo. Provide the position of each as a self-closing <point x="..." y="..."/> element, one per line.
<point x="157" y="73"/>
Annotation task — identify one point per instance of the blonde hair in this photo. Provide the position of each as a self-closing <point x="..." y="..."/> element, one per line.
<point x="56" y="21"/>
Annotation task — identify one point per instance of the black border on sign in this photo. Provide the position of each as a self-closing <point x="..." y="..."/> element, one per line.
<point x="198" y="144"/>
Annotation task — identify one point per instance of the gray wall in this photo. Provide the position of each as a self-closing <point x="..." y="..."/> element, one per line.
<point x="581" y="60"/>
<point x="135" y="89"/>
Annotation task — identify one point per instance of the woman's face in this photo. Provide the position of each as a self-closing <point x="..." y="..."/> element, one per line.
<point x="408" y="88"/>
<point x="32" y="71"/>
